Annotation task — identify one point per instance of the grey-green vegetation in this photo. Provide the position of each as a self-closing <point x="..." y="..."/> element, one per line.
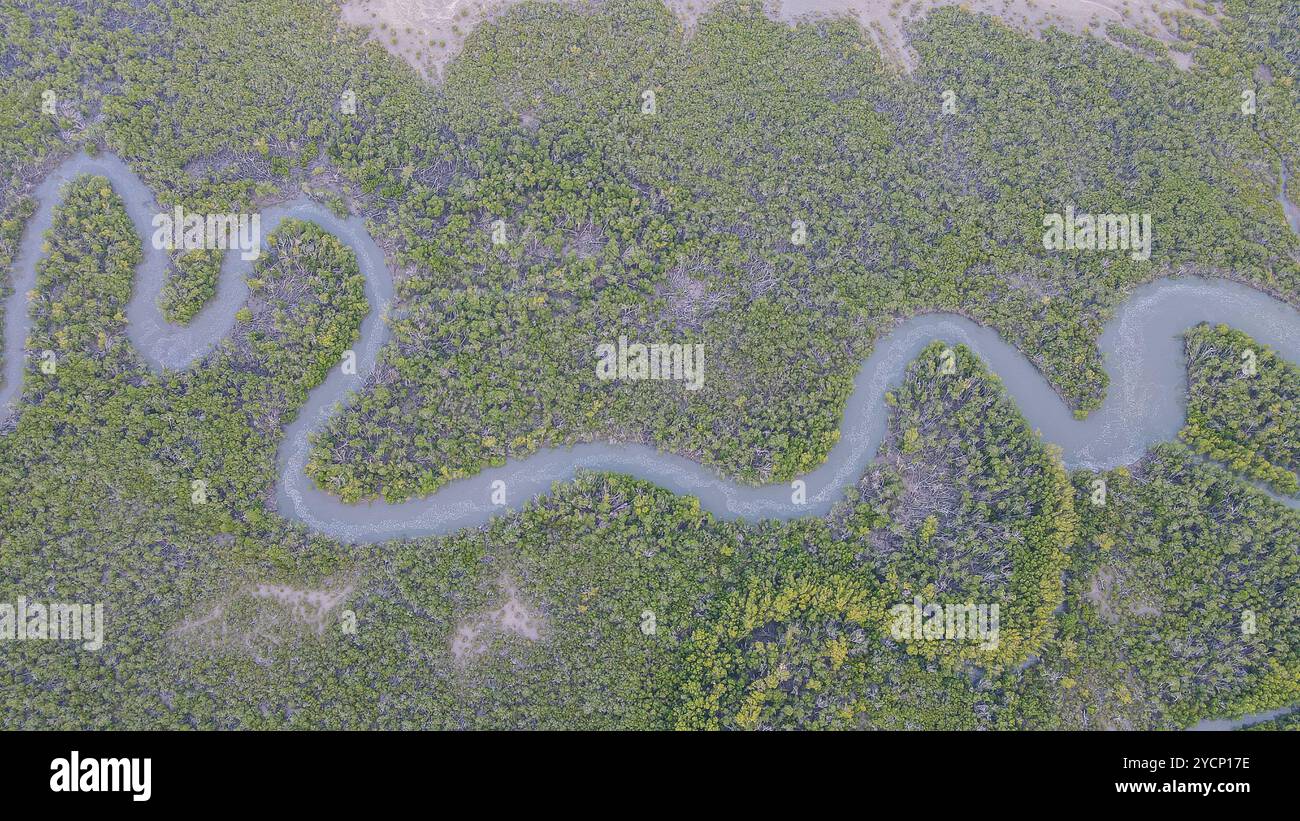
<point x="1243" y="406"/>
<point x="673" y="226"/>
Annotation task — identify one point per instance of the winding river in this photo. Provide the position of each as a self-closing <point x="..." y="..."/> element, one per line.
<point x="1141" y="346"/>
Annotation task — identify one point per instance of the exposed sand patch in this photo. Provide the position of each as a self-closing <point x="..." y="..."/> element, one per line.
<point x="1106" y="594"/>
<point x="1099" y="593"/>
<point x="424" y="33"/>
<point x="429" y="33"/>
<point x="310" y="607"/>
<point x="257" y="631"/>
<point x="190" y="625"/>
<point x="885" y="20"/>
<point x="470" y="638"/>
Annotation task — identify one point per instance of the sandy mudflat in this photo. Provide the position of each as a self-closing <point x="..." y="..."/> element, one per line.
<point x="512" y="617"/>
<point x="429" y="33"/>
